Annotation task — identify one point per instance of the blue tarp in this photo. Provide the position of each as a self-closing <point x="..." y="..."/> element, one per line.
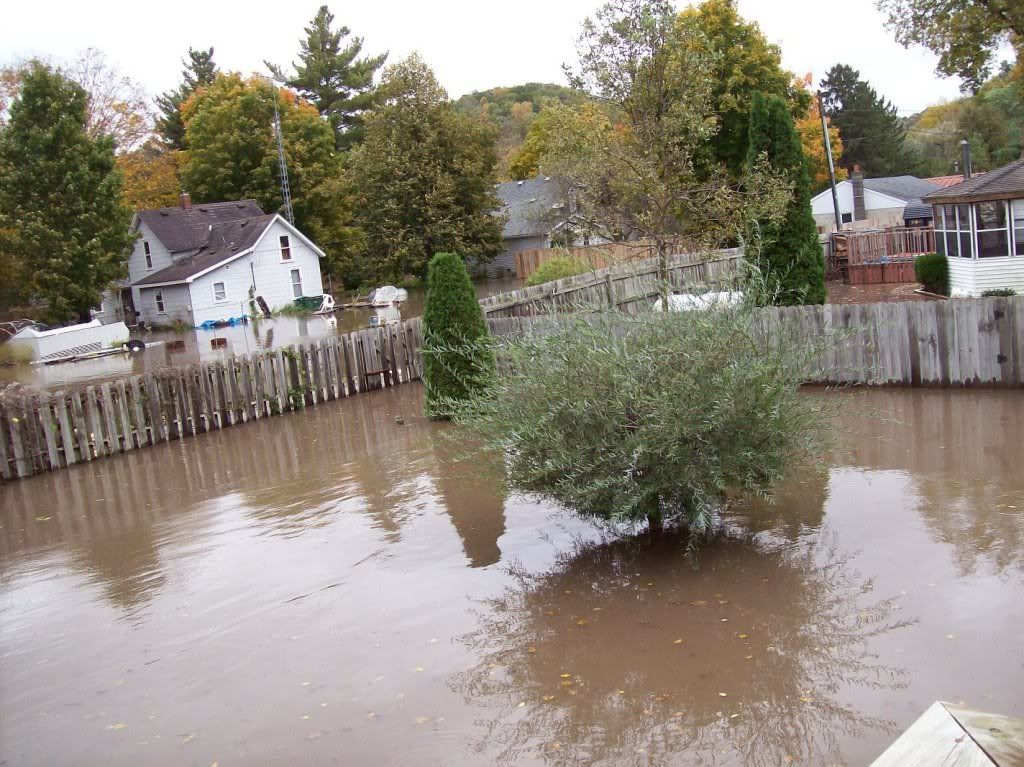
<point x="228" y="323"/>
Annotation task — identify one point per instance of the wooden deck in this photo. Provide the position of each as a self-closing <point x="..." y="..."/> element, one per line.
<point x="954" y="736"/>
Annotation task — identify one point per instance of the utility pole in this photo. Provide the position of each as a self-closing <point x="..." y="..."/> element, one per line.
<point x="282" y="164"/>
<point x="831" y="167"/>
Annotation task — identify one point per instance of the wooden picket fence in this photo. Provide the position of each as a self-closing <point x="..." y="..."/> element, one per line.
<point x="44" y="431"/>
<point x="955" y="343"/>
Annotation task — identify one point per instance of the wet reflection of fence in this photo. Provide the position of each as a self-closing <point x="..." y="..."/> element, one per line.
<point x="44" y="431"/>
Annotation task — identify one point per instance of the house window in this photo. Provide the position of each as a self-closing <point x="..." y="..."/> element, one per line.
<point x="953" y="230"/>
<point x="220" y="293"/>
<point x="149" y="255"/>
<point x="296" y="283"/>
<point x="159" y="296"/>
<point x="993" y="233"/>
<point x="1018" y="226"/>
<point x="846" y="218"/>
<point x="286" y="247"/>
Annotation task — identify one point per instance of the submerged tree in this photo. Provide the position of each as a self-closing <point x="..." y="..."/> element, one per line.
<point x="788" y="253"/>
<point x="333" y="77"/>
<point x="60" y="197"/>
<point x="654" y="416"/>
<point x="455" y="362"/>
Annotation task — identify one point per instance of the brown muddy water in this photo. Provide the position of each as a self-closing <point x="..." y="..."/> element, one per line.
<point x="332" y="588"/>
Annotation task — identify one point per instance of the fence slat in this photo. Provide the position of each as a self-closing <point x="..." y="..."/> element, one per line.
<point x="49" y="432"/>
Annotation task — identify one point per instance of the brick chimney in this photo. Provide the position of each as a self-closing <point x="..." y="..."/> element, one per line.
<point x="185" y="200"/>
<point x="857" y="179"/>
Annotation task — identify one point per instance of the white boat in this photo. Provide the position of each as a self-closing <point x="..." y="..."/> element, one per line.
<point x="388" y="295"/>
<point x="72" y="341"/>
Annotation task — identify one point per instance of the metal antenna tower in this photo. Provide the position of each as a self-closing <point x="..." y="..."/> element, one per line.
<point x="282" y="164"/>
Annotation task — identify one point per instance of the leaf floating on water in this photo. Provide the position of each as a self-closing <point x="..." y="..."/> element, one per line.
<point x="723" y="601"/>
<point x="566" y="676"/>
<point x="699" y="602"/>
<point x="620" y="692"/>
<point x="521" y="704"/>
<point x="305" y="716"/>
<point x="807" y="700"/>
<point x="723" y="695"/>
<point x="550" y="612"/>
<point x="749" y="657"/>
<point x="950" y="636"/>
<point x="595" y="609"/>
<point x="581" y="621"/>
<point x="422" y="719"/>
<point x="117" y="726"/>
<point x="725" y="620"/>
<point x="678" y="641"/>
<point x="42" y="519"/>
<point x="743" y="636"/>
<point x="419" y="669"/>
<point x="187" y="738"/>
<point x="531" y="649"/>
<point x="547" y="698"/>
<point x="371" y="715"/>
<point x="566" y="683"/>
<point x="305" y="684"/>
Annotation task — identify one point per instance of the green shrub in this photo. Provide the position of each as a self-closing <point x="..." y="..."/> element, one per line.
<point x="932" y="271"/>
<point x="999" y="293"/>
<point x="556" y="268"/>
<point x="14" y="355"/>
<point x="455" y="362"/>
<point x="656" y="416"/>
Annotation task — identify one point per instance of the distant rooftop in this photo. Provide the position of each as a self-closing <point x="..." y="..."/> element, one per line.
<point x="1000" y="184"/>
<point x="902" y="187"/>
<point x="533" y="206"/>
<point x="182" y="228"/>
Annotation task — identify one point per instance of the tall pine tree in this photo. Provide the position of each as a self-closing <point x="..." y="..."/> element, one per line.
<point x="60" y="197"/>
<point x="790" y="256"/>
<point x="199" y="70"/>
<point x="873" y="135"/>
<point x="333" y="77"/>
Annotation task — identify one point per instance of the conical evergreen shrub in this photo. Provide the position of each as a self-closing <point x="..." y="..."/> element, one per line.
<point x="457" y="358"/>
<point x="790" y="257"/>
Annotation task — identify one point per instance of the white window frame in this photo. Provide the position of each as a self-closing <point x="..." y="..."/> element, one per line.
<point x="284" y="242"/>
<point x="148" y="254"/>
<point x="291" y="276"/>
<point x="224" y="292"/>
<point x="159" y="296"/>
<point x="959" y="227"/>
<point x="1016" y="232"/>
<point x="1007" y="227"/>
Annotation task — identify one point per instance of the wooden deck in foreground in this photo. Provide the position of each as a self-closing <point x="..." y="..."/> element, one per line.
<point x="954" y="736"/>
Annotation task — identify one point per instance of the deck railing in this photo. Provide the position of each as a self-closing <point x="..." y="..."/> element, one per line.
<point x="873" y="247"/>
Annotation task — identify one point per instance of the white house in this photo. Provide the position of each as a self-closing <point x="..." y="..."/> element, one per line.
<point x="979" y="227"/>
<point x="873" y="203"/>
<point x="197" y="263"/>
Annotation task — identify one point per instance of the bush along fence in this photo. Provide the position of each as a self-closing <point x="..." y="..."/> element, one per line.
<point x="629" y="287"/>
<point x="44" y="431"/>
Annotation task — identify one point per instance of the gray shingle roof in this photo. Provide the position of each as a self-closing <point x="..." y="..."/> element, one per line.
<point x="530" y="206"/>
<point x="223" y="241"/>
<point x="182" y="229"/>
<point x="917" y="209"/>
<point x="902" y="187"/>
<point x="999" y="184"/>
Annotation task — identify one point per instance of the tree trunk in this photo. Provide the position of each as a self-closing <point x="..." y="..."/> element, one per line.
<point x="85" y="315"/>
<point x="663" y="280"/>
<point x="655" y="523"/>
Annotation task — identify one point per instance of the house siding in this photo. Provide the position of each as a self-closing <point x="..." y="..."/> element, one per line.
<point x="504" y="263"/>
<point x="177" y="304"/>
<point x="272" y="278"/>
<point x="882" y="210"/>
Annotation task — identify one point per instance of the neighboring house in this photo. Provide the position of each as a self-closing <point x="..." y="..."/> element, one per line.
<point x="193" y="263"/>
<point x="979" y="226"/>
<point x="874" y="203"/>
<point x="536" y="210"/>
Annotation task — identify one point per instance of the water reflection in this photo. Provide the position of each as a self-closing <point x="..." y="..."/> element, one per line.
<point x="625" y="654"/>
<point x="964" y="452"/>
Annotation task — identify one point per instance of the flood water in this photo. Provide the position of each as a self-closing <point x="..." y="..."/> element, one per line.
<point x="274" y="333"/>
<point x="332" y="587"/>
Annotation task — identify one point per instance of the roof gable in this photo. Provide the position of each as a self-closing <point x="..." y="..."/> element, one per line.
<point x="181" y="229"/>
<point x="901" y="187"/>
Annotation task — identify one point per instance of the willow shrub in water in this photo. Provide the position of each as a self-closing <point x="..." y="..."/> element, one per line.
<point x="658" y="416"/>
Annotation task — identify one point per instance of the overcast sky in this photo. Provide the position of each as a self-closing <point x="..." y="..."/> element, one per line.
<point x="471" y="44"/>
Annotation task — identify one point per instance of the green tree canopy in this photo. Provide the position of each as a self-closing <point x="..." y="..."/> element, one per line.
<point x="743" y="63"/>
<point x="331" y="75"/>
<point x="873" y="134"/>
<point x="422" y="180"/>
<point x="60" y="197"/>
<point x="790" y="256"/>
<point x="199" y="71"/>
<point x="965" y="34"/>
<point x="232" y="155"/>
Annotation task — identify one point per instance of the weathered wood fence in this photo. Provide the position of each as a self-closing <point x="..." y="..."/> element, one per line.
<point x="629" y="287"/>
<point x="44" y="431"/>
<point x="965" y="342"/>
<point x="598" y="256"/>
